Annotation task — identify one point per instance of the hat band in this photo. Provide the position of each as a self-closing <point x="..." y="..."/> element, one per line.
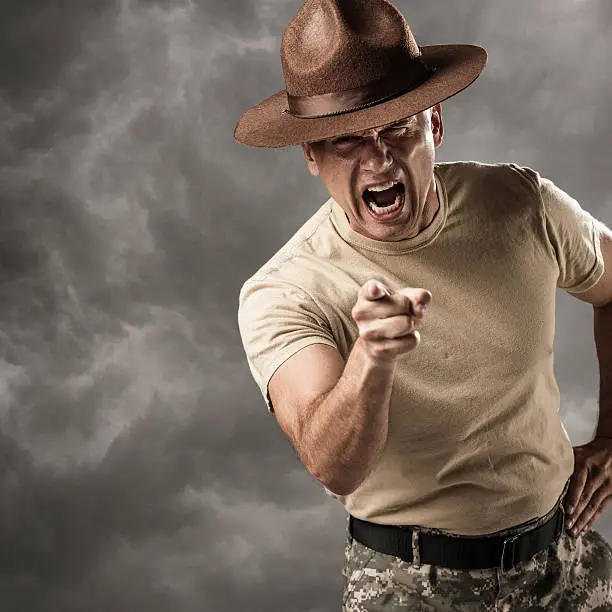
<point x="336" y="103"/>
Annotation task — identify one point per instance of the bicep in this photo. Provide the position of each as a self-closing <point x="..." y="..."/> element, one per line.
<point x="302" y="381"/>
<point x="600" y="294"/>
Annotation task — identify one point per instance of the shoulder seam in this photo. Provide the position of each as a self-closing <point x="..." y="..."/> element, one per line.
<point x="525" y="175"/>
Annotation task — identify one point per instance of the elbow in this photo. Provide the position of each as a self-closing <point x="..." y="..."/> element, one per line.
<point x="341" y="491"/>
<point x="338" y="486"/>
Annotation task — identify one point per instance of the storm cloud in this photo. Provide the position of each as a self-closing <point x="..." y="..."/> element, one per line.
<point x="140" y="469"/>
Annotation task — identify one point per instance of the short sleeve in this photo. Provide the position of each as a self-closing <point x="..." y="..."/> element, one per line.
<point x="276" y="318"/>
<point x="574" y="235"/>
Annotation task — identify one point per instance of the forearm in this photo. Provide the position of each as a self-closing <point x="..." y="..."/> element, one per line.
<point x="347" y="430"/>
<point x="602" y="323"/>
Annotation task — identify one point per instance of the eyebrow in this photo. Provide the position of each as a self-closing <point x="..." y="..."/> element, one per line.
<point x="408" y="122"/>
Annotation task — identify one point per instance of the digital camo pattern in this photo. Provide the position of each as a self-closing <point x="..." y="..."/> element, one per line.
<point x="572" y="575"/>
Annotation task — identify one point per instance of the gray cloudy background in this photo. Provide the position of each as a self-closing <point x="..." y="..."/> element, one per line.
<point x="140" y="469"/>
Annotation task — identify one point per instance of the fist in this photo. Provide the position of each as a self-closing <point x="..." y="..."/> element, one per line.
<point x="388" y="322"/>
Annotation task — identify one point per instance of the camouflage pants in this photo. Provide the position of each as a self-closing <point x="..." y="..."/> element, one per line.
<point x="572" y="575"/>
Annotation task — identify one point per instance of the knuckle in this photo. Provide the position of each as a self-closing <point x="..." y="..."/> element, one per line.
<point x="368" y="333"/>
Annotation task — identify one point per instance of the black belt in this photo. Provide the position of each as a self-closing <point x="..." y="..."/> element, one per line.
<point x="458" y="552"/>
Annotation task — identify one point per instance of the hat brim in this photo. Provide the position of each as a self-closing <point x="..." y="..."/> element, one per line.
<point x="455" y="68"/>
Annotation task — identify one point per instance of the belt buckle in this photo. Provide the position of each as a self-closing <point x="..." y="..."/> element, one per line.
<point x="508" y="545"/>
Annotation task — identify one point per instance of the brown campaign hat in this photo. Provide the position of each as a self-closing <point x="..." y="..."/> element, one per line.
<point x="352" y="65"/>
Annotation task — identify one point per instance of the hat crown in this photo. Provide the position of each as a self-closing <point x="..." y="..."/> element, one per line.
<point x="339" y="45"/>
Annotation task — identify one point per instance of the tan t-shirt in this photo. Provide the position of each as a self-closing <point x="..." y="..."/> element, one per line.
<point x="475" y="442"/>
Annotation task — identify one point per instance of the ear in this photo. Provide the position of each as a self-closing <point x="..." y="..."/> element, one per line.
<point x="437" y="126"/>
<point x="311" y="162"/>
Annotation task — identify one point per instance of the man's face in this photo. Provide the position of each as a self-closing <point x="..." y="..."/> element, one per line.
<point x="402" y="152"/>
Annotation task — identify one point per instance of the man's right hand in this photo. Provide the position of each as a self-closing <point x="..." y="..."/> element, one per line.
<point x="387" y="322"/>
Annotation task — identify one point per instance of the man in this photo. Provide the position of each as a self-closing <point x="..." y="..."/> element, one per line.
<point x="462" y="489"/>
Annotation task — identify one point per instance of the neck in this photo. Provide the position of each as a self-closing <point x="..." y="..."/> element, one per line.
<point x="432" y="207"/>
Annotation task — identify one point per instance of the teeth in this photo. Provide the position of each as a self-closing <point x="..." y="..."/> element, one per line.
<point x="384" y="210"/>
<point x="383" y="186"/>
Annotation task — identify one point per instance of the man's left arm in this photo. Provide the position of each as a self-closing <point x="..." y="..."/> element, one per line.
<point x="591" y="485"/>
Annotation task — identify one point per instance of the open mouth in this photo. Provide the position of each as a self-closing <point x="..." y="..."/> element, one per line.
<point x="385" y="201"/>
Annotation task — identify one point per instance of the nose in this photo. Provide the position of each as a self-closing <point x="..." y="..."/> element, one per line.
<point x="376" y="155"/>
